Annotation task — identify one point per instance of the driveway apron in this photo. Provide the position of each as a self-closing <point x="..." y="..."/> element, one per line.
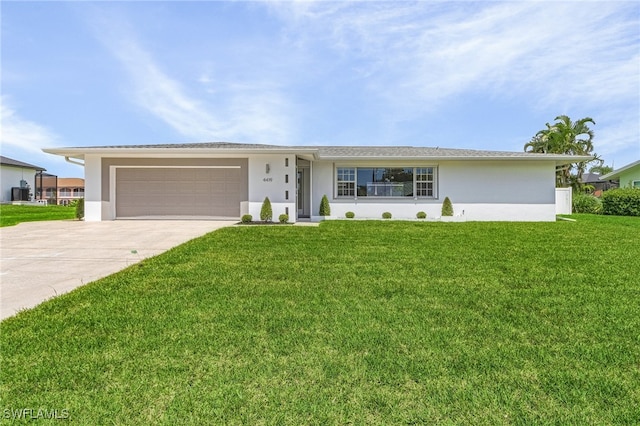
<point x="40" y="260"/>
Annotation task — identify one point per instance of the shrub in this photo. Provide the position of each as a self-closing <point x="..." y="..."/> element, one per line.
<point x="266" y="214"/>
<point x="325" y="209"/>
<point x="283" y="218"/>
<point x="247" y="218"/>
<point x="350" y="215"/>
<point x="584" y="203"/>
<point x="80" y="209"/>
<point x="621" y="202"/>
<point x="386" y="215"/>
<point x="421" y="215"/>
<point x="447" y="207"/>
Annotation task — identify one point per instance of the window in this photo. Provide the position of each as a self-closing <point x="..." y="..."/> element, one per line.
<point x="65" y="192"/>
<point x="346" y="179"/>
<point x="635" y="184"/>
<point x="394" y="182"/>
<point x="424" y="181"/>
<point x="78" y="192"/>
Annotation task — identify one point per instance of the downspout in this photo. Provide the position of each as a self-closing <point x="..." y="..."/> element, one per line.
<point x="69" y="160"/>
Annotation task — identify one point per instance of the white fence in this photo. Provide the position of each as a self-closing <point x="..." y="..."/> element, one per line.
<point x="563" y="201"/>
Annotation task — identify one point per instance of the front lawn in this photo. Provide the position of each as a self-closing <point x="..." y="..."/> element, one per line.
<point x="378" y="322"/>
<point x="13" y="214"/>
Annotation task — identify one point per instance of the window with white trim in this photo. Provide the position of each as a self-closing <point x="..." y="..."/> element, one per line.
<point x="385" y="182"/>
<point x="346" y="181"/>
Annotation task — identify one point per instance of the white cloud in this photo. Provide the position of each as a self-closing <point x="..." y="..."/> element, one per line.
<point x="254" y="113"/>
<point x="560" y="56"/>
<point x="21" y="133"/>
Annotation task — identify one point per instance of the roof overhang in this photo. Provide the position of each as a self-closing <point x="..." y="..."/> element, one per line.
<point x="80" y="153"/>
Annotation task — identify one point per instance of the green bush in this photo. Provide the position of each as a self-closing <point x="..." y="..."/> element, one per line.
<point x="421" y="215"/>
<point x="585" y="203"/>
<point x="350" y="215"/>
<point x="266" y="214"/>
<point x="325" y="209"/>
<point x="621" y="202"/>
<point x="80" y="209"/>
<point x="386" y="215"/>
<point x="283" y="218"/>
<point x="247" y="218"/>
<point x="447" y="207"/>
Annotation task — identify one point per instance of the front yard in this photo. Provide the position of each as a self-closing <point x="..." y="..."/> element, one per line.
<point x="13" y="214"/>
<point x="377" y="322"/>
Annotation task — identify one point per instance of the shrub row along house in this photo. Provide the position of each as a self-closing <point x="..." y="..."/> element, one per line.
<point x="228" y="180"/>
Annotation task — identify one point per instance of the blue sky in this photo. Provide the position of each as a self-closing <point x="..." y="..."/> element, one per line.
<point x="485" y="75"/>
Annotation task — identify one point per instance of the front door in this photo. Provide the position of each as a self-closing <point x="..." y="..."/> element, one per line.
<point x="303" y="192"/>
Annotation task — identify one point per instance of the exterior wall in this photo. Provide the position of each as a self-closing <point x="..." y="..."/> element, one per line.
<point x="95" y="209"/>
<point x="282" y="167"/>
<point x="479" y="190"/>
<point x="629" y="176"/>
<point x="10" y="177"/>
<point x="99" y="204"/>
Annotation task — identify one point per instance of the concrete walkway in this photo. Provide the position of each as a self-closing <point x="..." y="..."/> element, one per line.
<point x="40" y="260"/>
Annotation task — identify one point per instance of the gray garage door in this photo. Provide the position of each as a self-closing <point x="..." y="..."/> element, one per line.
<point x="210" y="192"/>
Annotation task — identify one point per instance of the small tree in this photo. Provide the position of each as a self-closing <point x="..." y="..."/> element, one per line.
<point x="80" y="209"/>
<point x="447" y="207"/>
<point x="266" y="214"/>
<point x="325" y="209"/>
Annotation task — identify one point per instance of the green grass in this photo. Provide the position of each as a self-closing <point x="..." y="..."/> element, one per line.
<point x="378" y="322"/>
<point x="13" y="214"/>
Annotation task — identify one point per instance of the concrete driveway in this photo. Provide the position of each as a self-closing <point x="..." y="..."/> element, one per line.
<point x="40" y="260"/>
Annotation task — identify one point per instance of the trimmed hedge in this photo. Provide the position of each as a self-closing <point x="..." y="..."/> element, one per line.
<point x="447" y="207"/>
<point x="265" y="212"/>
<point x="621" y="202"/>
<point x="283" y="218"/>
<point x="350" y="215"/>
<point x="584" y="203"/>
<point x="325" y="208"/>
<point x="247" y="218"/>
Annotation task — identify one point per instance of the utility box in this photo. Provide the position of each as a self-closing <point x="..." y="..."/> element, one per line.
<point x="19" y="194"/>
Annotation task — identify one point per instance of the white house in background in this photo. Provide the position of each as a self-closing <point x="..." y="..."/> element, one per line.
<point x="16" y="174"/>
<point x="227" y="180"/>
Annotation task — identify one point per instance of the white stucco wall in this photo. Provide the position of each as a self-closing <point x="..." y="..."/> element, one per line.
<point x="479" y="190"/>
<point x="94" y="208"/>
<point x="272" y="184"/>
<point x="10" y="177"/>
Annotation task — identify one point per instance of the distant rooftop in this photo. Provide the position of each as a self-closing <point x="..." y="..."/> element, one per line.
<point x="6" y="161"/>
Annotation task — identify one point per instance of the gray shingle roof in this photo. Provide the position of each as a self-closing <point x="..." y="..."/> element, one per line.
<point x="6" y="161"/>
<point x="329" y="152"/>
<point x="200" y="145"/>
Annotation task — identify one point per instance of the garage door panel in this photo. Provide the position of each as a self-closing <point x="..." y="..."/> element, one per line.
<point x="179" y="191"/>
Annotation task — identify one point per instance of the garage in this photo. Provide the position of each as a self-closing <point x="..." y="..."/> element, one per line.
<point x="213" y="191"/>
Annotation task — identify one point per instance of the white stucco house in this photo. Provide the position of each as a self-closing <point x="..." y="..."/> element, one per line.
<point x="227" y="180"/>
<point x="16" y="174"/>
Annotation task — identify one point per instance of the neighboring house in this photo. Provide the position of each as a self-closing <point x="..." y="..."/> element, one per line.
<point x="17" y="180"/>
<point x="69" y="190"/>
<point x="627" y="176"/>
<point x="598" y="185"/>
<point x="227" y="180"/>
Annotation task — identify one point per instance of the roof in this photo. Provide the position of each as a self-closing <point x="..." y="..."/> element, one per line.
<point x="616" y="173"/>
<point x="71" y="182"/>
<point x="6" y="161"/>
<point x="319" y="152"/>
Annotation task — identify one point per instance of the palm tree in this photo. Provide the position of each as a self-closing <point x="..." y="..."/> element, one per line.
<point x="566" y="137"/>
